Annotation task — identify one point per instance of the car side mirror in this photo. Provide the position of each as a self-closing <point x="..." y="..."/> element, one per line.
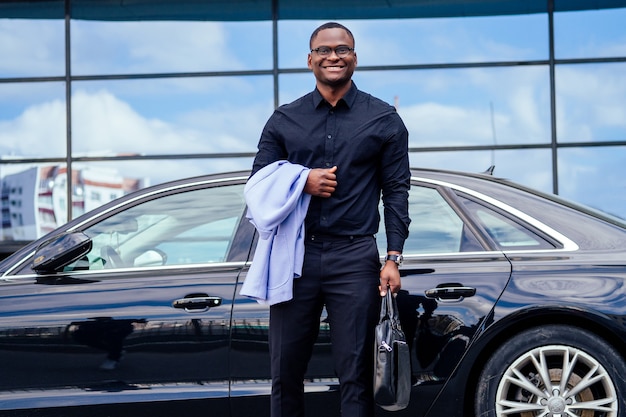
<point x="59" y="251"/>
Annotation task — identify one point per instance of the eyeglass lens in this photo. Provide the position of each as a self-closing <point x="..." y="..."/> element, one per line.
<point x="341" y="51"/>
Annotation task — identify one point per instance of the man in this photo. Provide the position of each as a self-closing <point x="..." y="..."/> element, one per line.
<point x="356" y="147"/>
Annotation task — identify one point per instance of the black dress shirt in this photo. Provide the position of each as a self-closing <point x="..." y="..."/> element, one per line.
<point x="367" y="141"/>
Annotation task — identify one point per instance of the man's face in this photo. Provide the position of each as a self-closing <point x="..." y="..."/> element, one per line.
<point x="332" y="70"/>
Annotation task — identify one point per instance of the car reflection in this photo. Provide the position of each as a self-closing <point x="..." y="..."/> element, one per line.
<point x="438" y="341"/>
<point x="106" y="334"/>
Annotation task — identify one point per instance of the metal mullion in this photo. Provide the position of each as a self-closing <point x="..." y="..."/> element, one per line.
<point x="68" y="111"/>
<point x="553" y="138"/>
<point x="275" y="70"/>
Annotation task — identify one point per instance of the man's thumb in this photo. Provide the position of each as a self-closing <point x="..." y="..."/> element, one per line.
<point x="333" y="169"/>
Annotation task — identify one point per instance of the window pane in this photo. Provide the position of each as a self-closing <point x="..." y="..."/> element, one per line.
<point x="169" y="46"/>
<point x="34" y="200"/>
<point x="137" y="174"/>
<point x="293" y="86"/>
<point x="474" y="106"/>
<point x="590" y="102"/>
<point x="434" y="228"/>
<point x="595" y="177"/>
<point x="170" y="116"/>
<point x="590" y="34"/>
<point x="32" y="120"/>
<point x="530" y="167"/>
<point x="158" y="232"/>
<point x="32" y="47"/>
<point x="507" y="233"/>
<point x="420" y="41"/>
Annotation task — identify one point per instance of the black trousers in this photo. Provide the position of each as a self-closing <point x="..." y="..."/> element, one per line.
<point x="341" y="273"/>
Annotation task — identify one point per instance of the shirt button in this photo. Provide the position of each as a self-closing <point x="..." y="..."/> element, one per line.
<point x="327" y="164"/>
<point x="329" y="136"/>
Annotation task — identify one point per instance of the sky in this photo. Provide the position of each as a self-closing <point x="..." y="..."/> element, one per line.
<point x="441" y="107"/>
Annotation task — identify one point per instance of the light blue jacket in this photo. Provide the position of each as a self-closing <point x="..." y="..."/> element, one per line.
<point x="277" y="207"/>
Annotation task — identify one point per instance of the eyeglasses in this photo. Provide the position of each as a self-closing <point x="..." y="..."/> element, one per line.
<point x="340" y="51"/>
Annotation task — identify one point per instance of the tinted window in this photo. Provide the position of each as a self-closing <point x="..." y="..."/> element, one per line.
<point x="435" y="226"/>
<point x="506" y="232"/>
<point x="180" y="229"/>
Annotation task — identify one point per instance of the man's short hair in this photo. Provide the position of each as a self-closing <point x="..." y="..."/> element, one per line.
<point x="330" y="25"/>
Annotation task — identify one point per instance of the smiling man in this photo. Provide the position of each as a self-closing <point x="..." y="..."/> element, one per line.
<point x="356" y="147"/>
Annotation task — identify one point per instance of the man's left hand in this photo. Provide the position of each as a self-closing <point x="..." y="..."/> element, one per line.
<point x="389" y="276"/>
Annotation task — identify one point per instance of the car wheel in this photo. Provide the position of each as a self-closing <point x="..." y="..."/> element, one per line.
<point x="552" y="371"/>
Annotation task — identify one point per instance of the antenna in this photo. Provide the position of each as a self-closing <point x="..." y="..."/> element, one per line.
<point x="493" y="134"/>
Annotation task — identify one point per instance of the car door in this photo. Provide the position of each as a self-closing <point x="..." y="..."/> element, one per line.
<point x="450" y="282"/>
<point x="141" y="323"/>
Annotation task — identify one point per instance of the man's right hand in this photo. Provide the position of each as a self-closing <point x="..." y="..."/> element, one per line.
<point x="321" y="182"/>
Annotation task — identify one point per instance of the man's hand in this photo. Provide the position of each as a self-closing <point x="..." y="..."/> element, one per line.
<point x="389" y="276"/>
<point x="321" y="182"/>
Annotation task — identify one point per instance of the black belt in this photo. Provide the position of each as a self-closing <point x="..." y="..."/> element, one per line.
<point x="320" y="237"/>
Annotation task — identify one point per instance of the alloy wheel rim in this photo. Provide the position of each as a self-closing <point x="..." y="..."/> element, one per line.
<point x="556" y="381"/>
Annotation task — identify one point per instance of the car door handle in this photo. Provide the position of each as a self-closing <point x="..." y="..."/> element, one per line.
<point x="450" y="292"/>
<point x="197" y="302"/>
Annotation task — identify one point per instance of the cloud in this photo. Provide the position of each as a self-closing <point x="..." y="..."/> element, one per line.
<point x="39" y="124"/>
<point x="135" y="47"/>
<point x="478" y="111"/>
<point x="434" y="124"/>
<point x="32" y="49"/>
<point x="590" y="102"/>
<point x="104" y="125"/>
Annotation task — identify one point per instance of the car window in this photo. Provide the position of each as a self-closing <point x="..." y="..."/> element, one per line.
<point x="179" y="229"/>
<point x="506" y="232"/>
<point x="435" y="227"/>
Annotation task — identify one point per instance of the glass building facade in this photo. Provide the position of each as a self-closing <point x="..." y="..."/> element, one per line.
<point x="91" y="109"/>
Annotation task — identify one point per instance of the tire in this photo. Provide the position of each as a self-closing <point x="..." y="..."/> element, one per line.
<point x="512" y="383"/>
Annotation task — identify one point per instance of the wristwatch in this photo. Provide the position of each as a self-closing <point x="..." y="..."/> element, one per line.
<point x="397" y="258"/>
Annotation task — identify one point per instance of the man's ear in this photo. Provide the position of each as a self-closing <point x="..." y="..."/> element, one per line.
<point x="309" y="61"/>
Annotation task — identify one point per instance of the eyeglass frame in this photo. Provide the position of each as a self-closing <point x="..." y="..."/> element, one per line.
<point x="331" y="50"/>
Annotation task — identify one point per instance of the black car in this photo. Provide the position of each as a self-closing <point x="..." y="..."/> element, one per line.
<point x="513" y="303"/>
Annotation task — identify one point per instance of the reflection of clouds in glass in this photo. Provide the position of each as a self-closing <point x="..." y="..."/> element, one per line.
<point x="156" y="172"/>
<point x="243" y="123"/>
<point x="101" y="47"/>
<point x="517" y="120"/>
<point x="590" y="34"/>
<point x="434" y="124"/>
<point x="32" y="48"/>
<point x="38" y="131"/>
<point x="434" y="40"/>
<point x="590" y="102"/>
<point x="563" y="287"/>
<point x="531" y="167"/>
<point x="595" y="177"/>
<point x="454" y="107"/>
<point x="104" y="125"/>
<point x="104" y="122"/>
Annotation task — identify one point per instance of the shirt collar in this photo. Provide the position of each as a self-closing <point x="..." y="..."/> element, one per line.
<point x="347" y="100"/>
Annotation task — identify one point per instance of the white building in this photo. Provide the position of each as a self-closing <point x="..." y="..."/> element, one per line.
<point x="34" y="200"/>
